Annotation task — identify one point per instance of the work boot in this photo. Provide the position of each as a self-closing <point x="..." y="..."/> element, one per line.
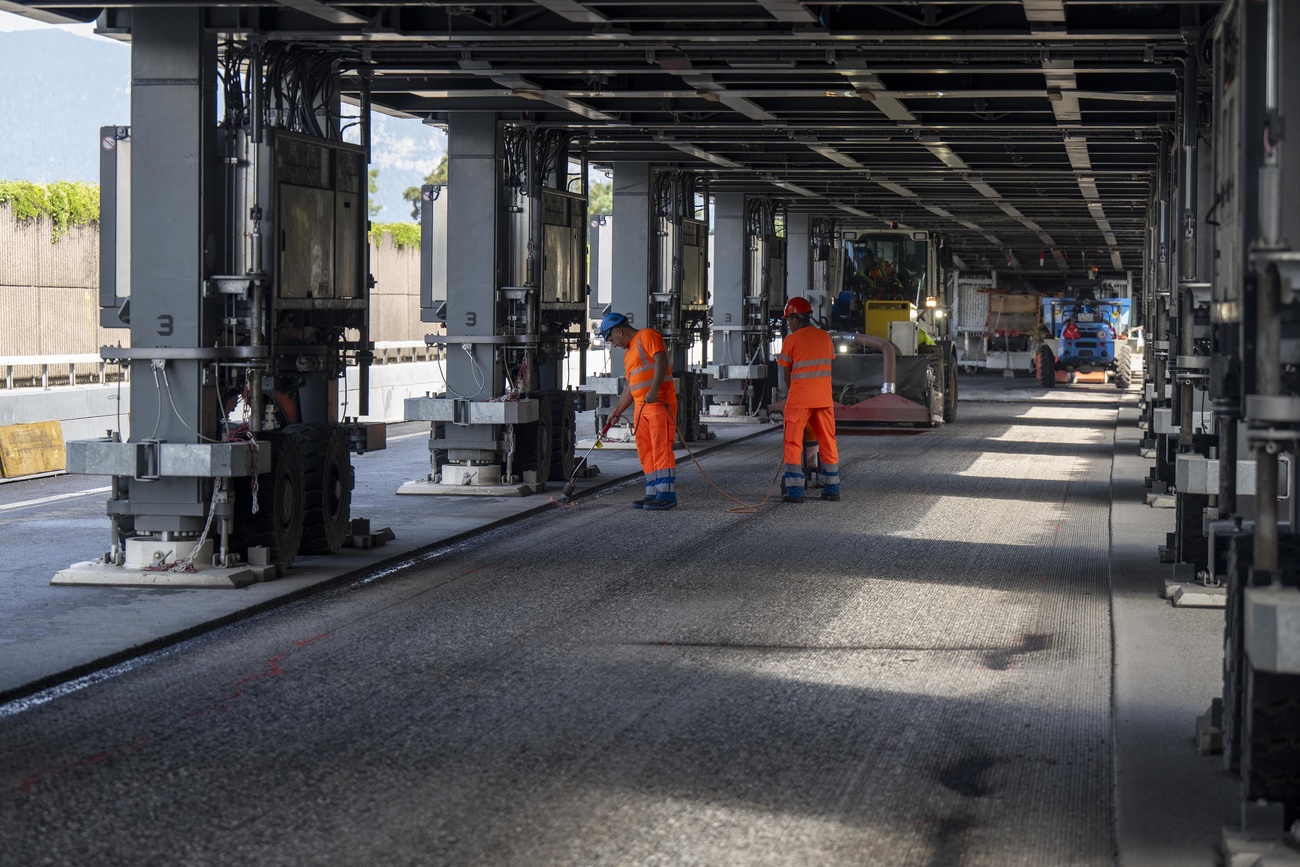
<point x="661" y="503"/>
<point x="827" y="495"/>
<point x="640" y="504"/>
<point x="789" y="499"/>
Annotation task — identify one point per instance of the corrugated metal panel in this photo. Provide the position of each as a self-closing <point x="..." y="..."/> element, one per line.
<point x="19" y="254"/>
<point x="65" y="327"/>
<point x="973" y="302"/>
<point x="28" y="256"/>
<point x="19" y="337"/>
<point x="74" y="259"/>
<point x="395" y="301"/>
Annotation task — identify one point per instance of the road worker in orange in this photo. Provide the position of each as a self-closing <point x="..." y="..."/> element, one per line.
<point x="805" y="361"/>
<point x="885" y="277"/>
<point x="650" y="391"/>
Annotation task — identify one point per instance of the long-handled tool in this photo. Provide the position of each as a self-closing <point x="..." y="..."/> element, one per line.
<point x="573" y="482"/>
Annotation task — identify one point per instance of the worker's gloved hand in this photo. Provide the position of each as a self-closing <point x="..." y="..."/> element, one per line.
<point x="613" y="420"/>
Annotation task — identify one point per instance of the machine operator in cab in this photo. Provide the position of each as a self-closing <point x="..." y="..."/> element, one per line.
<point x="805" y="361"/>
<point x="650" y="392"/>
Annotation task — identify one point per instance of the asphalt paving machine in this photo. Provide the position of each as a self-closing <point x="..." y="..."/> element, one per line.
<point x="895" y="361"/>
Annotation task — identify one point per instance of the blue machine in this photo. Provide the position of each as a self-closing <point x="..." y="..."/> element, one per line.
<point x="1082" y="335"/>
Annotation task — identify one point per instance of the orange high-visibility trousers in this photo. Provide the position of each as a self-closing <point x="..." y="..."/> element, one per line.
<point x="821" y="420"/>
<point x="656" y="430"/>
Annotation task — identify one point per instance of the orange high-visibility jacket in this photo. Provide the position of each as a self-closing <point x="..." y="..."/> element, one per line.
<point x="808" y="354"/>
<point x="639" y="366"/>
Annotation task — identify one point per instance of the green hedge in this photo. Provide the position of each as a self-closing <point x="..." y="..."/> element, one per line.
<point x="63" y="203"/>
<point x="75" y="203"/>
<point x="404" y="235"/>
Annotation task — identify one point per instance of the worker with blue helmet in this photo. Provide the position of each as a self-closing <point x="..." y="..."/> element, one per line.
<point x="609" y="323"/>
<point x="650" y="392"/>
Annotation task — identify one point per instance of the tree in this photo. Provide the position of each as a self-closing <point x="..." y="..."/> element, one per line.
<point x="600" y="199"/>
<point x="373" y="186"/>
<point x="600" y="196"/>
<point x="437" y="176"/>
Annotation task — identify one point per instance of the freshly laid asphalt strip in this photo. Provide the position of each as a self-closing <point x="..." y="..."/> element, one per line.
<point x="916" y="675"/>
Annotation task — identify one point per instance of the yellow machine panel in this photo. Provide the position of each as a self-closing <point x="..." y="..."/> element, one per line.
<point x="879" y="314"/>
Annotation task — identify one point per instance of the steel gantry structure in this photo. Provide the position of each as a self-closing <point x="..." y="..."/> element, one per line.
<point x="1047" y="140"/>
<point x="1027" y="132"/>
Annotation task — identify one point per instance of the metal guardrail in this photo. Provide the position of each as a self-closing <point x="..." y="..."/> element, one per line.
<point x="47" y="368"/>
<point x="62" y="370"/>
<point x="406" y="351"/>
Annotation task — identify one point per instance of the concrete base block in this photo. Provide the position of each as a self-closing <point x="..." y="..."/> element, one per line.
<point x="1209" y="730"/>
<point x="425" y="487"/>
<point x="1161" y="501"/>
<point x="581" y="446"/>
<point x="727" y="419"/>
<point x="362" y="535"/>
<point x="1243" y="850"/>
<point x="1195" y="595"/>
<point x="142" y="552"/>
<point x="95" y="572"/>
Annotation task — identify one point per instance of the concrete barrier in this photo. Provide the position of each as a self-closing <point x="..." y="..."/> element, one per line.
<point x="85" y="412"/>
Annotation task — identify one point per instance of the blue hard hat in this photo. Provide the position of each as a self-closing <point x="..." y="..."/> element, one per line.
<point x="609" y="323"/>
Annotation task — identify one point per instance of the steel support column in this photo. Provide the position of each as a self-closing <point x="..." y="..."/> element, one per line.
<point x="176" y="222"/>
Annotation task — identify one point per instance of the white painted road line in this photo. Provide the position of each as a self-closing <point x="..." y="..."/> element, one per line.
<point x="424" y="433"/>
<point x="8" y="507"/>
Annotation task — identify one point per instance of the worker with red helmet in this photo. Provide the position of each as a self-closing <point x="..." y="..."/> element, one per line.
<point x="650" y="391"/>
<point x="805" y="361"/>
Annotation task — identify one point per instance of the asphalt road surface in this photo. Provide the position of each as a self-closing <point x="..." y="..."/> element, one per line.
<point x="916" y="675"/>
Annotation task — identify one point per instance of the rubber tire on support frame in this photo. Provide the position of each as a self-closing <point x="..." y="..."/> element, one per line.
<point x="934" y="377"/>
<point x="564" y="436"/>
<point x="327" y="482"/>
<point x="1261" y="710"/>
<point x="1123" y="368"/>
<point x="1270" y="756"/>
<point x="437" y="453"/>
<point x="950" y="385"/>
<point x="1240" y="557"/>
<point x="533" y="440"/>
<point x="1045" y="367"/>
<point x="277" y="525"/>
<point x="689" y="407"/>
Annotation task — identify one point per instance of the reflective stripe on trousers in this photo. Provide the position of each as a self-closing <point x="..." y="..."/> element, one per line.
<point x="822" y="421"/>
<point x="656" y="428"/>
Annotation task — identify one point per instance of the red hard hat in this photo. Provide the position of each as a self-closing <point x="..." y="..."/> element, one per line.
<point x="797" y="304"/>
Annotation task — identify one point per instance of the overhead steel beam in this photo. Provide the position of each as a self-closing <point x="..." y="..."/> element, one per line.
<point x="791" y="11"/>
<point x="325" y="12"/>
<point x="573" y="11"/>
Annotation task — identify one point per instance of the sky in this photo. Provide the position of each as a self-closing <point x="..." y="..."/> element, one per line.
<point x="404" y="151"/>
